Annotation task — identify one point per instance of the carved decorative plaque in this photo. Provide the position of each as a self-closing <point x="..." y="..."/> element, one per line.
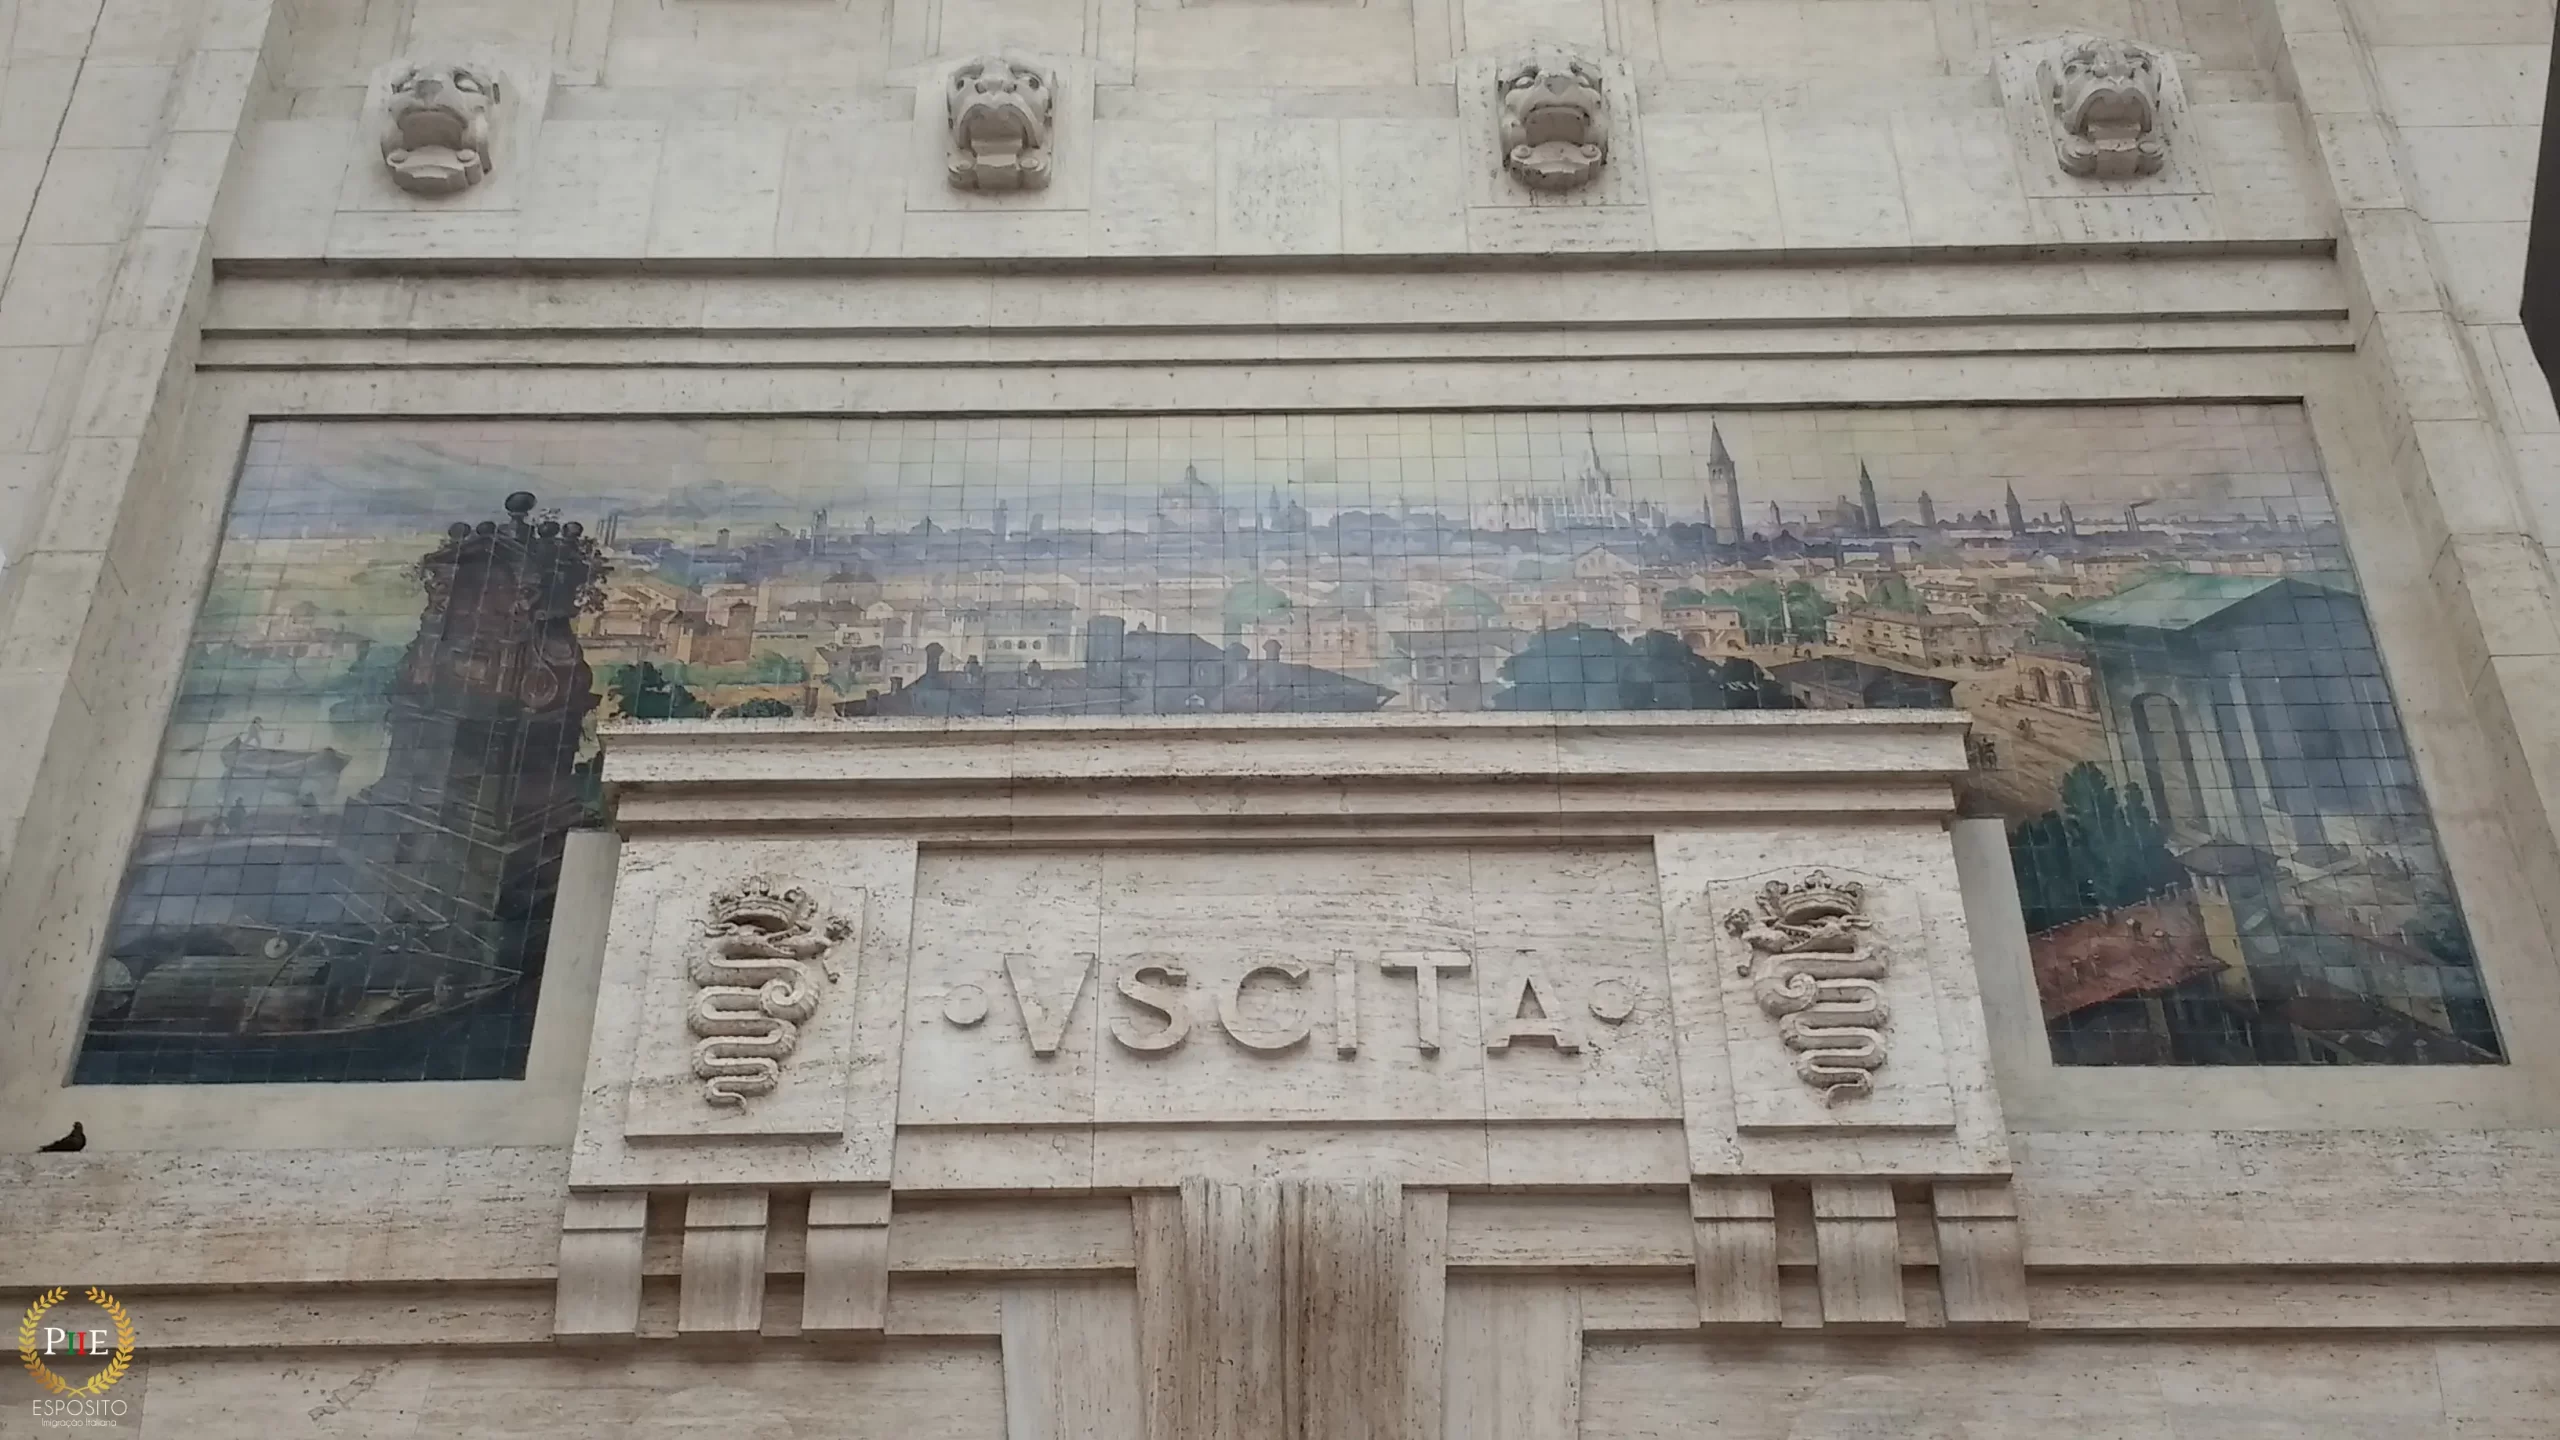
<point x="755" y="975"/>
<point x="1000" y="113"/>
<point x="1816" y="968"/>
<point x="1555" y="120"/>
<point x="437" y="126"/>
<point x="2107" y="109"/>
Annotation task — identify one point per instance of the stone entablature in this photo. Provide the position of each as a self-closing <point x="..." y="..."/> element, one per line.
<point x="1382" y="956"/>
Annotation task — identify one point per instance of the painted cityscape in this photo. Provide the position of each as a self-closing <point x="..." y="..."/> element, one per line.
<point x="386" y="727"/>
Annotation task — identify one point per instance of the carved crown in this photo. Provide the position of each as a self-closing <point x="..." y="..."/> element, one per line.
<point x="764" y="903"/>
<point x="1815" y="898"/>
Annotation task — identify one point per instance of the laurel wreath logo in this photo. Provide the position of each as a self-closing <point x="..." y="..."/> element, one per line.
<point x="99" y="1383"/>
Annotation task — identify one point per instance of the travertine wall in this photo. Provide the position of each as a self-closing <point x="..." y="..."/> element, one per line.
<point x="121" y="116"/>
<point x="739" y="207"/>
<point x="1258" y="129"/>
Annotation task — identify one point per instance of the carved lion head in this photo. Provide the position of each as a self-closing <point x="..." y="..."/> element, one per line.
<point x="2106" y="99"/>
<point x="1555" y="120"/>
<point x="436" y="131"/>
<point x="1000" y="125"/>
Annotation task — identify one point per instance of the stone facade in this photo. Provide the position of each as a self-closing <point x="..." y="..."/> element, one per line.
<point x="1241" y="1015"/>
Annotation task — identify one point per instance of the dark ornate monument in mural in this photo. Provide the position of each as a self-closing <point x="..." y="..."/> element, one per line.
<point x="400" y="935"/>
<point x="2180" y="710"/>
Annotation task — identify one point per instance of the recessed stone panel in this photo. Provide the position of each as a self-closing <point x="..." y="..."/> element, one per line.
<point x="1333" y="984"/>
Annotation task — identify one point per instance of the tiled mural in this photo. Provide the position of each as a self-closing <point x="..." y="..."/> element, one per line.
<point x="386" y="724"/>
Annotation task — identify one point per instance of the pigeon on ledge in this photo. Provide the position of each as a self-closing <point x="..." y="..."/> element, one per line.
<point x="78" y="1139"/>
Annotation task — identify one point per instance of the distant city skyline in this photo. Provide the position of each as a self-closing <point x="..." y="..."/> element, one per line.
<point x="2205" y="462"/>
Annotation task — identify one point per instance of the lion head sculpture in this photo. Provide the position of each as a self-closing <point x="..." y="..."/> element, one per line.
<point x="2106" y="102"/>
<point x="1555" y="120"/>
<point x="1000" y="125"/>
<point x="436" y="127"/>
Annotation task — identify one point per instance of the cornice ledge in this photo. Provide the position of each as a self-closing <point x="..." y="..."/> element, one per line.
<point x="1257" y="769"/>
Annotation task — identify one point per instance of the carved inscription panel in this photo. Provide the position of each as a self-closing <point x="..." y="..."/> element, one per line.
<point x="1335" y="984"/>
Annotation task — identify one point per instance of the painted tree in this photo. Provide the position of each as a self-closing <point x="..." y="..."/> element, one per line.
<point x="1580" y="667"/>
<point x="2098" y="850"/>
<point x="644" y="692"/>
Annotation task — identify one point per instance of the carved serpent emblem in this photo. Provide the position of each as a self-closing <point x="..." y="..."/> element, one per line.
<point x="758" y="987"/>
<point x="1814" y="970"/>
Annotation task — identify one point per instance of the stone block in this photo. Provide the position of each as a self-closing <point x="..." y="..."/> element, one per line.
<point x="719" y="191"/>
<point x="601" y="1242"/>
<point x="1857" y="1246"/>
<point x="2483" y="269"/>
<point x="1404" y="186"/>
<point x="1839" y="184"/>
<point x="115" y="107"/>
<point x="996" y="235"/>
<point x="1515" y="1361"/>
<point x="1499" y="26"/>
<point x="186" y="186"/>
<point x="2426" y="85"/>
<point x="1155" y="188"/>
<point x="2265" y="183"/>
<point x="1280" y="1308"/>
<point x="1713" y="186"/>
<point x="1515" y="230"/>
<point x="280" y="195"/>
<point x="1736" y="1236"/>
<point x="2362" y="168"/>
<point x="2472" y="172"/>
<point x="1856" y="41"/>
<point x="1279" y="187"/>
<point x="593" y="190"/>
<point x="841" y="194"/>
<point x="34" y="93"/>
<point x="1368" y="46"/>
<point x="845" y="1285"/>
<point x="1960" y="182"/>
<point x="1070" y="1358"/>
<point x="721" y="1288"/>
<point x="56" y="294"/>
<point x="984" y="26"/>
<point x="2389" y="23"/>
<point x="1982" y="1271"/>
<point x="213" y="90"/>
<point x="21" y="171"/>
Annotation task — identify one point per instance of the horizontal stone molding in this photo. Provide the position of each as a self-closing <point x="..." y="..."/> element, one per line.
<point x="1309" y="347"/>
<point x="1302" y="774"/>
<point x="1866" y="293"/>
<point x="172" y="1325"/>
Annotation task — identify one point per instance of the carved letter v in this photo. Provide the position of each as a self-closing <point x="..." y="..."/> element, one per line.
<point x="1046" y="1024"/>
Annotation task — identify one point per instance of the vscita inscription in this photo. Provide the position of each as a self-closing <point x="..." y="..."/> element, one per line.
<point x="1814" y="968"/>
<point x="1275" y="1007"/>
<point x="756" y="987"/>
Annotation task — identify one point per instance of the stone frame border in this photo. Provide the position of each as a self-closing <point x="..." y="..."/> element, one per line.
<point x="2495" y="833"/>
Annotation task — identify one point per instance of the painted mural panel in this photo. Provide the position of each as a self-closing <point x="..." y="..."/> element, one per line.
<point x="386" y="725"/>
